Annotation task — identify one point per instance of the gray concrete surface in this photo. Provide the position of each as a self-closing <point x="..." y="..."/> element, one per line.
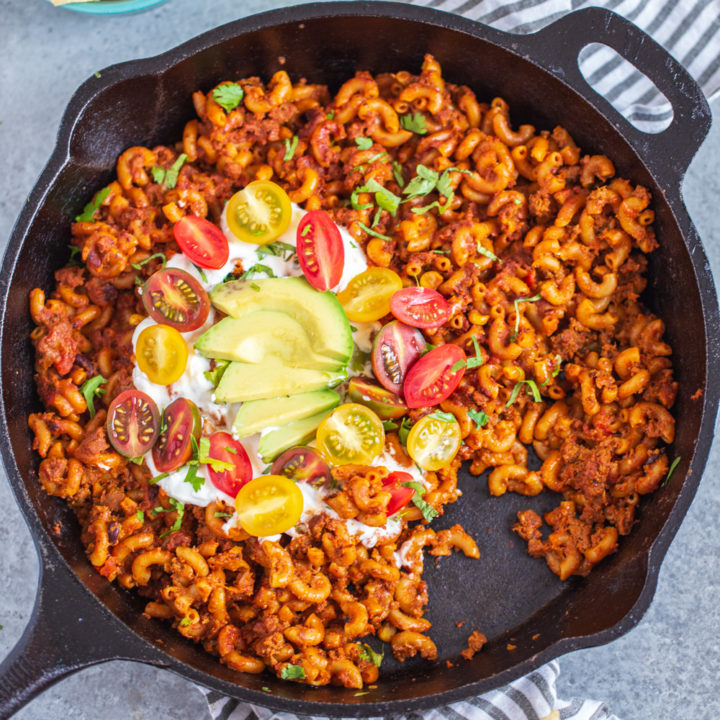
<point x="667" y="667"/>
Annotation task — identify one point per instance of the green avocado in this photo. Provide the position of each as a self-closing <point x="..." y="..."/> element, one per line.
<point x="257" y="415"/>
<point x="271" y="379"/>
<point x="260" y="334"/>
<point x="296" y="433"/>
<point x="319" y="313"/>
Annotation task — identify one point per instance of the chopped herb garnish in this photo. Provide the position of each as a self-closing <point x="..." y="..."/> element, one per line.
<point x="88" y="213"/>
<point x="440" y="415"/>
<point x="673" y="465"/>
<point x="158" y="478"/>
<point x="414" y="122"/>
<point x="471" y="362"/>
<point x="389" y="425"/>
<point x="427" y="510"/>
<point x="185" y="621"/>
<point x="426" y="208"/>
<point x="422" y="184"/>
<point x="487" y="253"/>
<point x="255" y="287"/>
<point x="137" y="460"/>
<point x="353" y="244"/>
<point x="278" y="249"/>
<point x="91" y="389"/>
<point x="516" y="302"/>
<point x="353" y="328"/>
<point x="292" y="672"/>
<point x="201" y="272"/>
<point x="532" y="389"/>
<point x="363" y="143"/>
<point x="398" y="173"/>
<point x="290" y="147"/>
<point x="367" y="653"/>
<point x="97" y="74"/>
<point x="216" y="373"/>
<point x="355" y="202"/>
<point x="258" y="268"/>
<point x="160" y="255"/>
<point x="372" y="232"/>
<point x="376" y="219"/>
<point x="370" y="160"/>
<point x="329" y="116"/>
<point x="228" y="96"/>
<point x="479" y="417"/>
<point x="158" y="174"/>
<point x="404" y="430"/>
<point x="362" y="692"/>
<point x="555" y="372"/>
<point x="177" y="507"/>
<point x="386" y="199"/>
<point x="171" y="176"/>
<point x="193" y="478"/>
<point x="223" y="515"/>
<point x="75" y="251"/>
<point x="204" y="457"/>
<point x="441" y="252"/>
<point x="231" y="450"/>
<point x="140" y="516"/>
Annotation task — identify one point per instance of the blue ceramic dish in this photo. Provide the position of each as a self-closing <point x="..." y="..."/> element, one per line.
<point x="112" y="7"/>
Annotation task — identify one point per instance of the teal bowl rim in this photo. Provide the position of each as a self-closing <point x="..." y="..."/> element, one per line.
<point x="115" y="7"/>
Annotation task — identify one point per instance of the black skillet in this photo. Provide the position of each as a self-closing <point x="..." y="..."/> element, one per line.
<point x="80" y="619"/>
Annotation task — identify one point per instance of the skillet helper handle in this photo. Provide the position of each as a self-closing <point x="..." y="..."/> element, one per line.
<point x="670" y="150"/>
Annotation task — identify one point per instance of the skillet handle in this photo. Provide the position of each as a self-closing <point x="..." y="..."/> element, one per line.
<point x="670" y="151"/>
<point x="68" y="631"/>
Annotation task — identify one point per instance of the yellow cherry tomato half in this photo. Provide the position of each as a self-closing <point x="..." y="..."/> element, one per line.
<point x="268" y="505"/>
<point x="432" y="442"/>
<point x="351" y="433"/>
<point x="367" y="296"/>
<point x="161" y="353"/>
<point x="259" y="213"/>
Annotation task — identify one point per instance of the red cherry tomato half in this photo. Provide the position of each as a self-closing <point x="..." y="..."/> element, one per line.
<point x="320" y="250"/>
<point x="396" y="347"/>
<point x="420" y="307"/>
<point x="132" y="423"/>
<point x="397" y="478"/>
<point x="302" y="464"/>
<point x="400" y="496"/>
<point x="431" y="379"/>
<point x="223" y="446"/>
<point x="175" y="298"/>
<point x="174" y="447"/>
<point x="203" y="242"/>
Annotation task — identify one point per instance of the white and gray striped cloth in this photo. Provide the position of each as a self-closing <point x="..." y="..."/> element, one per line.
<point x="690" y="31"/>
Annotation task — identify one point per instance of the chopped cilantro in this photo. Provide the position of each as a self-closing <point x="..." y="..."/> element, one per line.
<point x="487" y="253"/>
<point x="91" y="389"/>
<point x="471" y="362"/>
<point x="204" y="457"/>
<point x="177" y="507"/>
<point x="329" y="116"/>
<point x="216" y="373"/>
<point x="404" y="430"/>
<point x="427" y="510"/>
<point x="372" y="232"/>
<point x="258" y="268"/>
<point x="367" y="653"/>
<point x="370" y="160"/>
<point x="88" y="213"/>
<point x="376" y="219"/>
<point x="255" y="287"/>
<point x="160" y="255"/>
<point x="140" y="516"/>
<point x="673" y="465"/>
<point x="171" y="176"/>
<point x="532" y="389"/>
<point x="290" y="147"/>
<point x="228" y="96"/>
<point x="385" y="199"/>
<point x="426" y="208"/>
<point x="277" y="249"/>
<point x="292" y="672"/>
<point x="423" y="183"/>
<point x="516" y="302"/>
<point x="223" y="515"/>
<point x="414" y="122"/>
<point x="158" y="174"/>
<point x="201" y="272"/>
<point x="158" y="478"/>
<point x="445" y="416"/>
<point x="74" y="252"/>
<point x="441" y="252"/>
<point x="231" y="450"/>
<point x="390" y="425"/>
<point x="185" y="621"/>
<point x="193" y="478"/>
<point x="555" y="372"/>
<point x="479" y="417"/>
<point x="97" y="74"/>
<point x="398" y="173"/>
<point x="363" y="143"/>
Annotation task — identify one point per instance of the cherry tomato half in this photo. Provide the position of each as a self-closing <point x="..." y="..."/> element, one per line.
<point x="431" y="379"/>
<point x="420" y="307"/>
<point x="302" y="464"/>
<point x="132" y="423"/>
<point x="367" y="296"/>
<point x="320" y="250"/>
<point x="387" y="405"/>
<point x="432" y="442"/>
<point x="400" y="495"/>
<point x="203" y="242"/>
<point x="174" y="447"/>
<point x="351" y="433"/>
<point x="268" y="505"/>
<point x="395" y="349"/>
<point x="259" y="213"/>
<point x="161" y="353"/>
<point x="223" y="446"/>
<point x="174" y="297"/>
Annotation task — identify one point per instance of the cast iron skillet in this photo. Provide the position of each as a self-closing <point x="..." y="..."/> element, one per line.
<point x="80" y="619"/>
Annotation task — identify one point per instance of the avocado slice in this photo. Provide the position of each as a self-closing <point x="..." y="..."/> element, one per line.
<point x="245" y="381"/>
<point x="257" y="335"/>
<point x="320" y="313"/>
<point x="257" y="415"/>
<point x="296" y="433"/>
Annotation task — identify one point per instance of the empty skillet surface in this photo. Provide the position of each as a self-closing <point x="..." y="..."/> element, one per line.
<point x="80" y="619"/>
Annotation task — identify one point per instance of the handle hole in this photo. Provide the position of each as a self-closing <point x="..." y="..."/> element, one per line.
<point x="629" y="91"/>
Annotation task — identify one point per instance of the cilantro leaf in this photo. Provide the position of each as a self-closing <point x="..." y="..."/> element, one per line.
<point x="423" y="183"/>
<point x="367" y="653"/>
<point x="216" y="373"/>
<point x="398" y="173"/>
<point x="372" y="232"/>
<point x="160" y="255"/>
<point x="158" y="478"/>
<point x="91" y="389"/>
<point x="363" y="143"/>
<point x="471" y="362"/>
<point x="427" y="510"/>
<point x="389" y="425"/>
<point x="487" y="253"/>
<point x="171" y="176"/>
<point x="88" y="213"/>
<point x="292" y="672"/>
<point x="140" y="516"/>
<point x="177" y="507"/>
<point x="532" y="389"/>
<point x="193" y="478"/>
<point x="479" y="417"/>
<point x="427" y="208"/>
<point x="445" y="416"/>
<point x="404" y="430"/>
<point x="673" y="465"/>
<point x="290" y="146"/>
<point x="204" y="457"/>
<point x="370" y="160"/>
<point x="443" y="183"/>
<point x="516" y="302"/>
<point x="185" y="622"/>
<point x="414" y="122"/>
<point x="258" y="268"/>
<point x="228" y="96"/>
<point x="385" y="198"/>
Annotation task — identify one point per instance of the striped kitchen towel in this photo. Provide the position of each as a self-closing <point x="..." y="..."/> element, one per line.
<point x="690" y="31"/>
